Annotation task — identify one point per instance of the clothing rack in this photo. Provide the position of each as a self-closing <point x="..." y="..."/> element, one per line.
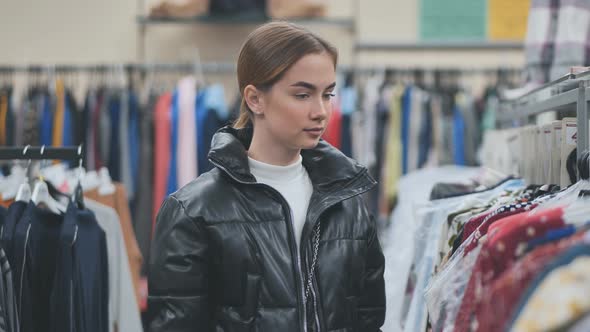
<point x="568" y="93"/>
<point x="227" y="67"/>
<point x="41" y="153"/>
<point x="209" y="67"/>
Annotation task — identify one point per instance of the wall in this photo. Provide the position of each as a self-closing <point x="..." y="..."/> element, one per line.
<point x="387" y="21"/>
<point x="84" y="31"/>
<point x="67" y="31"/>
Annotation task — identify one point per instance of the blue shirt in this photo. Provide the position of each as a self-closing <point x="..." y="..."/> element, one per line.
<point x="172" y="178"/>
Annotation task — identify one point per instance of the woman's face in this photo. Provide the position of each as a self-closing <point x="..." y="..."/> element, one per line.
<point x="296" y="110"/>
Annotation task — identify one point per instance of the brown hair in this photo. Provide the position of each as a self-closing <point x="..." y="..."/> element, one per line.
<point x="269" y="51"/>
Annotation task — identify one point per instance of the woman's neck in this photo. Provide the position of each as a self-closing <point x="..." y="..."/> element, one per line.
<point x="269" y="151"/>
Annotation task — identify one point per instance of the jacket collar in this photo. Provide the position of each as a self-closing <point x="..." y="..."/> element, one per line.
<point x="328" y="168"/>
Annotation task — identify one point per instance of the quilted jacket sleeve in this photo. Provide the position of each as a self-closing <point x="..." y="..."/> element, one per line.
<point x="179" y="273"/>
<point x="371" y="310"/>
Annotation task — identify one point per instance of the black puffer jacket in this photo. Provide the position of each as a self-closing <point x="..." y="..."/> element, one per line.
<point x="224" y="256"/>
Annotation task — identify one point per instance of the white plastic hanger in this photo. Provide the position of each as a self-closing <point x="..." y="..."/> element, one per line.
<point x="41" y="195"/>
<point x="106" y="184"/>
<point x="24" y="190"/>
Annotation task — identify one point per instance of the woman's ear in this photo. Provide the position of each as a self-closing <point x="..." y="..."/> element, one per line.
<point x="254" y="99"/>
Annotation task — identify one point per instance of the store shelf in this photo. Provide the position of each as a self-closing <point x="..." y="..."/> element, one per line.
<point x="443" y="45"/>
<point x="246" y="18"/>
<point x="560" y="102"/>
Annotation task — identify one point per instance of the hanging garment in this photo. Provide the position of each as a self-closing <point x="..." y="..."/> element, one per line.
<point x="425" y="136"/>
<point x="212" y="114"/>
<point x="90" y="147"/>
<point x="333" y="133"/>
<point x="416" y="117"/>
<point x="32" y="129"/>
<point x="133" y="137"/>
<point x="405" y="126"/>
<point x="458" y="136"/>
<point x="20" y="108"/>
<point x="9" y="314"/>
<point x="105" y="130"/>
<point x="504" y="240"/>
<point x="540" y="39"/>
<point x="571" y="37"/>
<point x="471" y="140"/>
<point x="83" y="262"/>
<point x="42" y="243"/>
<point x="58" y="119"/>
<point x="186" y="148"/>
<point x="119" y="202"/>
<point x="77" y="129"/>
<point x="500" y="302"/>
<point x="13" y="216"/>
<point x="68" y="123"/>
<point x="3" y="113"/>
<point x="203" y="139"/>
<point x="115" y="110"/>
<point x="367" y="155"/>
<point x="399" y="242"/>
<point x="142" y="218"/>
<point x="124" y="157"/>
<point x="382" y="114"/>
<point x="46" y="124"/>
<point x="348" y="101"/>
<point x="22" y="272"/>
<point x="162" y="137"/>
<point x="558" y="295"/>
<point x="30" y="121"/>
<point x="172" y="183"/>
<point x="9" y="120"/>
<point x="123" y="312"/>
<point x="392" y="169"/>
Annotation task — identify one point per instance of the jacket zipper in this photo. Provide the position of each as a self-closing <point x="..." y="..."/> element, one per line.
<point x="315" y="303"/>
<point x="299" y="271"/>
<point x="360" y="192"/>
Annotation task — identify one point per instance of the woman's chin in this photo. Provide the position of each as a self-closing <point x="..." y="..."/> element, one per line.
<point x="310" y="144"/>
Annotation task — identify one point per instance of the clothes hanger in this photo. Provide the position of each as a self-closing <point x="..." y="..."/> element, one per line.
<point x="41" y="194"/>
<point x="572" y="194"/>
<point x="579" y="211"/>
<point x="106" y="186"/>
<point x="78" y="196"/>
<point x="24" y="191"/>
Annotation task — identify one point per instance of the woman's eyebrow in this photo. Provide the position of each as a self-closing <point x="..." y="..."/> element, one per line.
<point x="331" y="86"/>
<point x="305" y="85"/>
<point x="311" y="86"/>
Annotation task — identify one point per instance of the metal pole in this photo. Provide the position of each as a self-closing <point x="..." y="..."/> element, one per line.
<point x="582" y="118"/>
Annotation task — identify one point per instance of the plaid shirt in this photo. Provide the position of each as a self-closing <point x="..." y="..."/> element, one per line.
<point x="540" y="39"/>
<point x="572" y="41"/>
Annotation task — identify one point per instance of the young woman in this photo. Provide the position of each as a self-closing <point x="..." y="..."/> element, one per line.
<point x="276" y="237"/>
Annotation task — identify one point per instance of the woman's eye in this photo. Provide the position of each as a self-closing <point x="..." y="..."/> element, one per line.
<point x="302" y="96"/>
<point x="329" y="96"/>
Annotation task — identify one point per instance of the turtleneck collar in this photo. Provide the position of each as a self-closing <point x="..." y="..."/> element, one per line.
<point x="328" y="168"/>
<point x="276" y="174"/>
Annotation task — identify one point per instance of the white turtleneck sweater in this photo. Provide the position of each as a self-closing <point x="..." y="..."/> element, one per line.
<point x="293" y="183"/>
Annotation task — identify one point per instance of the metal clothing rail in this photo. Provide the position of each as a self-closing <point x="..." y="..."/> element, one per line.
<point x="575" y="98"/>
<point x="73" y="153"/>
<point x="209" y="67"/>
<point x="227" y="67"/>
